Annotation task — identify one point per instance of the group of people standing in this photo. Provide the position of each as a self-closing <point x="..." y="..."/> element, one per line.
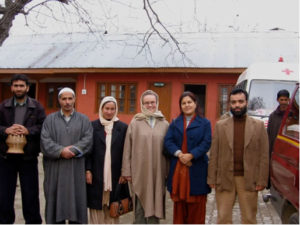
<point x="85" y="163"/>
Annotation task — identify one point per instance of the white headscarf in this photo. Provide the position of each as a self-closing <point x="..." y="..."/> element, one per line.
<point x="145" y="112"/>
<point x="108" y="126"/>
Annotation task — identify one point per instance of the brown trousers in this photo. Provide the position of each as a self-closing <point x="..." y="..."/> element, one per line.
<point x="189" y="213"/>
<point x="247" y="201"/>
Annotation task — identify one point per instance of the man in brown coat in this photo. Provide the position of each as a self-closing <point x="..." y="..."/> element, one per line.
<point x="239" y="161"/>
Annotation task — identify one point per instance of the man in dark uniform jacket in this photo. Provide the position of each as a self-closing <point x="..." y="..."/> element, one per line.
<point x="20" y="115"/>
<point x="276" y="118"/>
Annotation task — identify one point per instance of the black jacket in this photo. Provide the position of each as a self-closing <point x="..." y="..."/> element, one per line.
<point x="95" y="162"/>
<point x="33" y="121"/>
<point x="274" y="123"/>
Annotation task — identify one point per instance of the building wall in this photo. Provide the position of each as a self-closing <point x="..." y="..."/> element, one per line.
<point x="87" y="103"/>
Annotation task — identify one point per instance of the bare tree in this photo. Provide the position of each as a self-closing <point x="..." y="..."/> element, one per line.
<point x="157" y="27"/>
<point x="9" y="12"/>
<point x="11" y="8"/>
<point x="157" y="24"/>
<point x="71" y="13"/>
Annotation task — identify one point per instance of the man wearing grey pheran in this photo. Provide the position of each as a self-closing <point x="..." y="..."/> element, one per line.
<point x="65" y="139"/>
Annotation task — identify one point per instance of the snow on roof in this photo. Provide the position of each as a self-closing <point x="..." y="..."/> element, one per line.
<point x="201" y="50"/>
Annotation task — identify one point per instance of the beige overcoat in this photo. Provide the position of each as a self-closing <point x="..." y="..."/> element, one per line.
<point x="256" y="155"/>
<point x="144" y="161"/>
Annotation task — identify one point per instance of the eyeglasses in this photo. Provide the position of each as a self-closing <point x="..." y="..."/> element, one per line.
<point x="149" y="103"/>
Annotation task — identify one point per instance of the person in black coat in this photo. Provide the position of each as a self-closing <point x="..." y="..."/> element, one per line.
<point x="275" y="118"/>
<point x="20" y="116"/>
<point x="104" y="163"/>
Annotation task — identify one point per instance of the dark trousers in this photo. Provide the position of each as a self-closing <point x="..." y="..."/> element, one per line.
<point x="28" y="173"/>
<point x="139" y="214"/>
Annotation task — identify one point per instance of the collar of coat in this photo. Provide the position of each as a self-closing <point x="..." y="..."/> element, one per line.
<point x="30" y="103"/>
<point x="178" y="122"/>
<point x="99" y="129"/>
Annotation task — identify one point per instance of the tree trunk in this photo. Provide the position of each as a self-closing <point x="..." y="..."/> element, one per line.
<point x="9" y="13"/>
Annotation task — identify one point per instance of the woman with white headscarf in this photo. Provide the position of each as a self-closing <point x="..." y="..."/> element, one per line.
<point x="144" y="164"/>
<point x="103" y="165"/>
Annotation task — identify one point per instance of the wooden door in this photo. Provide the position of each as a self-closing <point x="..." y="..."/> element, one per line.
<point x="6" y="92"/>
<point x="165" y="98"/>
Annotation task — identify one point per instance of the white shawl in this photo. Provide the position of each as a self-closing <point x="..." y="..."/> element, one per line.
<point x="108" y="126"/>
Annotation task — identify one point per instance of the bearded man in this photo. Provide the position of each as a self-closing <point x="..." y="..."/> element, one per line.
<point x="20" y="116"/>
<point x="239" y="161"/>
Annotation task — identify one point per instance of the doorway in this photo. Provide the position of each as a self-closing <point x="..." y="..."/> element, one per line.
<point x="164" y="92"/>
<point x="200" y="92"/>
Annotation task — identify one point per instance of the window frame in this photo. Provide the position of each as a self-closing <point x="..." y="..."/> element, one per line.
<point x="292" y="120"/>
<point x="220" y="102"/>
<point x="127" y="100"/>
<point x="56" y="86"/>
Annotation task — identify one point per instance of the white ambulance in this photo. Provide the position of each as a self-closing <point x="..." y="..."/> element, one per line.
<point x="262" y="81"/>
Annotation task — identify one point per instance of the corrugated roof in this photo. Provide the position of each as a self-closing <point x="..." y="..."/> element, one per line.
<point x="202" y="50"/>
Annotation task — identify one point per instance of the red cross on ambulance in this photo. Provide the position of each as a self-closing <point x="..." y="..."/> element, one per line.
<point x="287" y="71"/>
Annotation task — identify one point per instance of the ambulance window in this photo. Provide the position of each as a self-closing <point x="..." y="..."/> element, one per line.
<point x="262" y="96"/>
<point x="291" y="127"/>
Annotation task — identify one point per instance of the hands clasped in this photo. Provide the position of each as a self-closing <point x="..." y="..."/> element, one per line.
<point x="17" y="129"/>
<point x="185" y="158"/>
<point x="67" y="153"/>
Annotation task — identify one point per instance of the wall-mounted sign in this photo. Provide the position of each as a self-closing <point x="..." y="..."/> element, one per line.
<point x="159" y="84"/>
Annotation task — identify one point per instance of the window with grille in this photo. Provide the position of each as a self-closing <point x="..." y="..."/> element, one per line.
<point x="125" y="94"/>
<point x="223" y="106"/>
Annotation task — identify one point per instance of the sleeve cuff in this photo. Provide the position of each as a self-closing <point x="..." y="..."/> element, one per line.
<point x="177" y="153"/>
<point x="76" y="151"/>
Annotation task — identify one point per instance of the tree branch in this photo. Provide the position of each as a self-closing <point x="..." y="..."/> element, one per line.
<point x="12" y="9"/>
<point x="37" y="5"/>
<point x="155" y="23"/>
<point x="2" y="9"/>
